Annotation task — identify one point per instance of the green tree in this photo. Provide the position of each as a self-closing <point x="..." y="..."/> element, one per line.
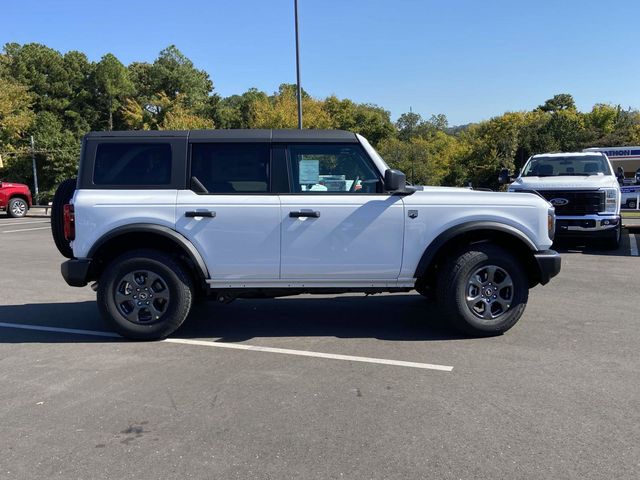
<point x="162" y="113"/>
<point x="112" y="85"/>
<point x="407" y="125"/>
<point x="16" y="115"/>
<point x="174" y="74"/>
<point x="562" y="101"/>
<point x="281" y="110"/>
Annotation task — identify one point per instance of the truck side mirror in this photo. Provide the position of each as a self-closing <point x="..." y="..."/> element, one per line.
<point x="394" y="180"/>
<point x="504" y="177"/>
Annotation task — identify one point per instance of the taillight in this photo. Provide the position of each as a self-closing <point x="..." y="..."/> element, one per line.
<point x="69" y="222"/>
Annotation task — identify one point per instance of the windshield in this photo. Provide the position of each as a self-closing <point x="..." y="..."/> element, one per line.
<point x="555" y="166"/>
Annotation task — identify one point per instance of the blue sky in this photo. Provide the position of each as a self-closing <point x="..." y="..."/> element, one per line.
<point x="467" y="59"/>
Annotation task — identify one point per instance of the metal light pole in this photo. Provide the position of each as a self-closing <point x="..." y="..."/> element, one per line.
<point x="35" y="171"/>
<point x="299" y="90"/>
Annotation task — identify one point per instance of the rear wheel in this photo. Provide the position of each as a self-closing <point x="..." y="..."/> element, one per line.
<point x="17" y="208"/>
<point x="145" y="295"/>
<point x="63" y="196"/>
<point x="483" y="290"/>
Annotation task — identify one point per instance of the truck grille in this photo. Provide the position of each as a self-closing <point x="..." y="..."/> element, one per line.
<point x="580" y="202"/>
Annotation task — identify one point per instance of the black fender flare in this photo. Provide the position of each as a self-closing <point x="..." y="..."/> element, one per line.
<point x="457" y="230"/>
<point x="183" y="242"/>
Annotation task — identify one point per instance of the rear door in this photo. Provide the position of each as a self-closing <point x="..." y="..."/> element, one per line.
<point x="228" y="211"/>
<point x="337" y="223"/>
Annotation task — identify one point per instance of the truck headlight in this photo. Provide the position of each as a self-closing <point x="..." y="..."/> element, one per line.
<point x="611" y="200"/>
<point x="551" y="222"/>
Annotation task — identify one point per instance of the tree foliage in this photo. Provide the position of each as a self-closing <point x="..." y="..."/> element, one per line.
<point x="59" y="97"/>
<point x="15" y="111"/>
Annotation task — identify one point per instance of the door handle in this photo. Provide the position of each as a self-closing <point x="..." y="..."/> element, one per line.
<point x="304" y="214"/>
<point x="200" y="213"/>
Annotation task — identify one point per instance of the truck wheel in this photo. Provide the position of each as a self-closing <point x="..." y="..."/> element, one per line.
<point x="145" y="295"/>
<point x="483" y="291"/>
<point x="17" y="208"/>
<point x="631" y="204"/>
<point x="613" y="241"/>
<point x="64" y="194"/>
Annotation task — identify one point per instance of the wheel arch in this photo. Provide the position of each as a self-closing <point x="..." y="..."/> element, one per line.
<point x="476" y="232"/>
<point x="20" y="195"/>
<point x="143" y="235"/>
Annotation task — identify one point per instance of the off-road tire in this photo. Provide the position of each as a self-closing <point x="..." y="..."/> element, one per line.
<point x="63" y="195"/>
<point x="453" y="289"/>
<point x="172" y="273"/>
<point x="17" y="208"/>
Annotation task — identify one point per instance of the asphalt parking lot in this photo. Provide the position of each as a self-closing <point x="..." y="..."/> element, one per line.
<point x="556" y="397"/>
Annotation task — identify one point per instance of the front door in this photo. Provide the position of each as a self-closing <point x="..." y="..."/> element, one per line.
<point x="337" y="223"/>
<point x="230" y="214"/>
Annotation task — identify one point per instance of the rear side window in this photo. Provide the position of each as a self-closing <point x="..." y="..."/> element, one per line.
<point x="230" y="168"/>
<point x="133" y="164"/>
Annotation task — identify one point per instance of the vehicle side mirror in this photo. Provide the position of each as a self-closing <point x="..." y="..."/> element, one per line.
<point x="504" y="177"/>
<point x="394" y="181"/>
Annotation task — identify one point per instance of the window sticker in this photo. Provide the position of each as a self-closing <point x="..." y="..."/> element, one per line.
<point x="309" y="171"/>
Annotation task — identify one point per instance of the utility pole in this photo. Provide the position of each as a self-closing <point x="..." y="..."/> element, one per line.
<point x="35" y="172"/>
<point x="299" y="90"/>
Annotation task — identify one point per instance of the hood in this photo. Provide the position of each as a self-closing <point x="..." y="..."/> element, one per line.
<point x="565" y="182"/>
<point x="468" y="197"/>
<point x="426" y="188"/>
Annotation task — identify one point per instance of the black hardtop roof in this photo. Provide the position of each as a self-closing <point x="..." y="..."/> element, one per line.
<point x="236" y="135"/>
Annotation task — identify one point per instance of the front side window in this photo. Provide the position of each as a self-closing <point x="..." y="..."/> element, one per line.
<point x="132" y="164"/>
<point x="230" y="168"/>
<point x="327" y="168"/>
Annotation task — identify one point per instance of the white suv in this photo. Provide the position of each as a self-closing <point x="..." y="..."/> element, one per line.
<point x="156" y="218"/>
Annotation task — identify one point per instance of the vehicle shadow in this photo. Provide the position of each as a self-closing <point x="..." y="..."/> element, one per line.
<point x="590" y="247"/>
<point x="400" y="317"/>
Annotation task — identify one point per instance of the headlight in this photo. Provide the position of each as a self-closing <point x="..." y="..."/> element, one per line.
<point x="611" y="200"/>
<point x="551" y="222"/>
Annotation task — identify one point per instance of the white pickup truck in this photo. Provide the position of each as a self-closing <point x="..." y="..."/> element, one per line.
<point x="157" y="218"/>
<point x="583" y="189"/>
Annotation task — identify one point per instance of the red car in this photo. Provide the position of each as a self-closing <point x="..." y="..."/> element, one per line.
<point x="15" y="199"/>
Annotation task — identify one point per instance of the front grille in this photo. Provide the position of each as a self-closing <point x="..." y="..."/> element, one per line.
<point x="580" y="202"/>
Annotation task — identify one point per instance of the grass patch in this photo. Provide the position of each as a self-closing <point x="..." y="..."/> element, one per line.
<point x="630" y="214"/>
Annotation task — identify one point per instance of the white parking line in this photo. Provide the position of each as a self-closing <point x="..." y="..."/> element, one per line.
<point x="237" y="346"/>
<point x="633" y="244"/>
<point x="3" y="224"/>
<point x="25" y="230"/>
<point x="305" y="353"/>
<point x="42" y="328"/>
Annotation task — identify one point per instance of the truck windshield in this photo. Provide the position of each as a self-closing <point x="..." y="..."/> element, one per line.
<point x="556" y="166"/>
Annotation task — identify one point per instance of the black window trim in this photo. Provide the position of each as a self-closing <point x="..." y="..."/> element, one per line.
<point x="324" y="144"/>
<point x="90" y="149"/>
<point x="204" y="142"/>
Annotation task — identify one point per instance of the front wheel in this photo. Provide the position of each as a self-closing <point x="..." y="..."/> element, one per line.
<point x="483" y="290"/>
<point x="145" y="295"/>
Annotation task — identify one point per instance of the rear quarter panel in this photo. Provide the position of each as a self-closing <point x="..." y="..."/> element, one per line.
<point x="97" y="212"/>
